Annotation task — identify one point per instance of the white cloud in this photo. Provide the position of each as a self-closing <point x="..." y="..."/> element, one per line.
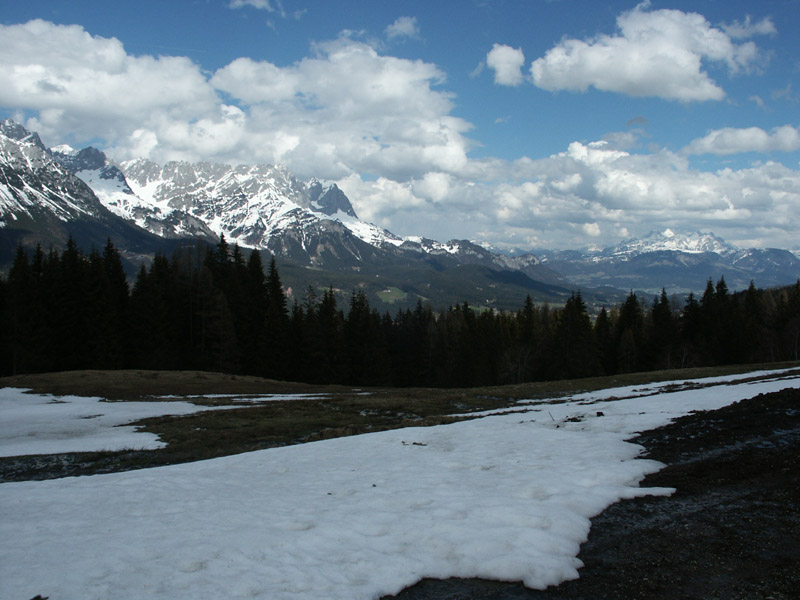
<point x="591" y="229"/>
<point x="507" y="63"/>
<point x="86" y="85"/>
<point x="758" y="101"/>
<point x="254" y="82"/>
<point x="657" y="53"/>
<point x="750" y="139"/>
<point x="435" y="186"/>
<point x="749" y="29"/>
<point x="352" y="110"/>
<point x="403" y="27"/>
<point x="268" y="5"/>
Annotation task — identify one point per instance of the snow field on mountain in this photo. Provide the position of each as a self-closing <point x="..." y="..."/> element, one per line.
<point x="503" y="496"/>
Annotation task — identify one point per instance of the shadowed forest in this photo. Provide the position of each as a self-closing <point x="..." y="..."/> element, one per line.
<point x="212" y="308"/>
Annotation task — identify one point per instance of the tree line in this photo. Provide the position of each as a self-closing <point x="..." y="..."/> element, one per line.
<point x="212" y="308"/>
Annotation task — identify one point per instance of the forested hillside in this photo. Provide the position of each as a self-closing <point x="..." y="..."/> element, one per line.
<point x="215" y="309"/>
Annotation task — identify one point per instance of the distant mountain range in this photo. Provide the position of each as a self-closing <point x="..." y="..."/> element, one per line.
<point x="47" y="195"/>
<point x="679" y="263"/>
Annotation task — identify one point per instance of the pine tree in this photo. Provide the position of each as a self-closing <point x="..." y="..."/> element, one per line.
<point x="366" y="349"/>
<point x="72" y="347"/>
<point x="19" y="316"/>
<point x="661" y="334"/>
<point x="328" y="345"/>
<point x="253" y="318"/>
<point x="575" y="353"/>
<point x="519" y="353"/>
<point x="277" y="325"/>
<point x="628" y="335"/>
<point x="603" y="328"/>
<point x="107" y="301"/>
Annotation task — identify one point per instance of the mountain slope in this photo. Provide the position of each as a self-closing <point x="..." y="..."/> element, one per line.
<point x="112" y="189"/>
<point x="43" y="202"/>
<point x="34" y="187"/>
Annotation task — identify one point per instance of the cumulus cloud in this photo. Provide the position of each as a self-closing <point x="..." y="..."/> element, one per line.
<point x="507" y="64"/>
<point x="750" y="139"/>
<point x="658" y="53"/>
<point x="352" y="109"/>
<point x="89" y="85"/>
<point x="620" y="190"/>
<point x="403" y="27"/>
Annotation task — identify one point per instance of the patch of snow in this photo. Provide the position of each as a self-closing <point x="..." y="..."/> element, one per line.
<point x="64" y="149"/>
<point x="367" y="232"/>
<point x="501" y="497"/>
<point x="250" y="398"/>
<point x="45" y="424"/>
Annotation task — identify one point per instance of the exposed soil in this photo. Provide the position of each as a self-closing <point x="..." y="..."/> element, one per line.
<point x="731" y="530"/>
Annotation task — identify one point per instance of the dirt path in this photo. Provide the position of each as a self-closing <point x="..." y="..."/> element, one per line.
<point x="731" y="530"/>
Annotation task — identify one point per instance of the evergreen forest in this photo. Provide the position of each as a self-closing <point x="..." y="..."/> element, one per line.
<point x="215" y="309"/>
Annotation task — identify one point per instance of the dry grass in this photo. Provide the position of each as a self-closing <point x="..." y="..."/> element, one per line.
<point x="340" y="411"/>
<point x="139" y="384"/>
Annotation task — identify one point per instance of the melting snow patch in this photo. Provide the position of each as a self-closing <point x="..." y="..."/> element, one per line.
<point x="500" y="497"/>
<point x="45" y="424"/>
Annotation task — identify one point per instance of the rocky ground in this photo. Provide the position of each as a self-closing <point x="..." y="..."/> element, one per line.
<point x="731" y="530"/>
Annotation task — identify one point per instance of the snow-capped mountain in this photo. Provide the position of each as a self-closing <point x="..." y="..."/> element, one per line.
<point x="679" y="262"/>
<point x="258" y="206"/>
<point x="110" y="186"/>
<point x="265" y="207"/>
<point x="43" y="202"/>
<point x="330" y="200"/>
<point x="34" y="186"/>
<point x="249" y="205"/>
<point x="255" y="206"/>
<point x="657" y="241"/>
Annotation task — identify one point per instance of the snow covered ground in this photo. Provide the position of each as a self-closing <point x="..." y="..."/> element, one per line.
<point x="503" y="496"/>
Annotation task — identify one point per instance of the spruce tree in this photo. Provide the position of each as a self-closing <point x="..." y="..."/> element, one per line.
<point x="20" y="316"/>
<point x="277" y="325"/>
<point x="629" y="334"/>
<point x="574" y="351"/>
<point x="603" y="329"/>
<point x="661" y="334"/>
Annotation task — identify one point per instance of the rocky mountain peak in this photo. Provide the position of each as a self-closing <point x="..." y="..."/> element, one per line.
<point x="37" y="187"/>
<point x="330" y="200"/>
<point x="88" y="159"/>
<point x="15" y="131"/>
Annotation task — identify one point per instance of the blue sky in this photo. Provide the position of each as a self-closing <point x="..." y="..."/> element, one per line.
<point x="539" y="123"/>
